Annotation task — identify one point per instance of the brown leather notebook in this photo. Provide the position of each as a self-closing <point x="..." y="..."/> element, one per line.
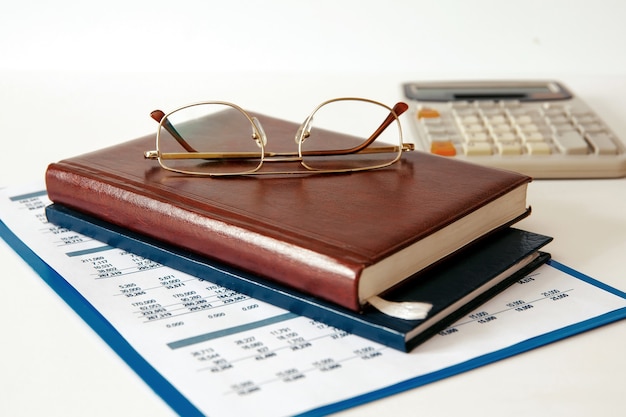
<point x="340" y="237"/>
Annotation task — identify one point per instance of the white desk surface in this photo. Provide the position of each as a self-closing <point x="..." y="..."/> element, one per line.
<point x="51" y="363"/>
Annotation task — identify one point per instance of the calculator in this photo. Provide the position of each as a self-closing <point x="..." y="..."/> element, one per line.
<point x="539" y="128"/>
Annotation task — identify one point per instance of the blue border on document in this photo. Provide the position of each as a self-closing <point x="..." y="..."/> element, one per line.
<point x="477" y="362"/>
<point x="161" y="386"/>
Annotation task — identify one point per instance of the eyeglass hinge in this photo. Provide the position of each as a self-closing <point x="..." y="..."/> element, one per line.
<point x="151" y="155"/>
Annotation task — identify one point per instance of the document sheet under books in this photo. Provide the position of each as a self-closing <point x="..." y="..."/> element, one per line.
<point x="207" y="350"/>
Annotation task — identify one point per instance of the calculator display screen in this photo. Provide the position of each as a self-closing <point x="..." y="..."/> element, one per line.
<point x="477" y="90"/>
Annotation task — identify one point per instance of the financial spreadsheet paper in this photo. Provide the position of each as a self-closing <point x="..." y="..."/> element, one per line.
<point x="208" y="350"/>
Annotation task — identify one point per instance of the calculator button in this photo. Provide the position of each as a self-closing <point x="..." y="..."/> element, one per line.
<point x="497" y="120"/>
<point x="585" y="119"/>
<point x="558" y="120"/>
<point x="470" y="120"/>
<point x="533" y="137"/>
<point x="443" y="148"/>
<point x="554" y="107"/>
<point x="491" y="112"/>
<point x="475" y="128"/>
<point x="504" y="137"/>
<point x="579" y="112"/>
<point x="534" y="113"/>
<point x="562" y="129"/>
<point x="523" y="120"/>
<point x="554" y="111"/>
<point x="477" y="149"/>
<point x="531" y="127"/>
<point x="436" y="129"/>
<point x="439" y="122"/>
<point x="509" y="148"/>
<point x="501" y="128"/>
<point x="459" y="104"/>
<point x="602" y="144"/>
<point x="486" y="104"/>
<point x="538" y="148"/>
<point x="427" y="113"/>
<point x="571" y="143"/>
<point x="592" y="127"/>
<point x="477" y="137"/>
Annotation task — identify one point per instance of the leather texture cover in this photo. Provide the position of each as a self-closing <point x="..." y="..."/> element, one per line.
<point x="315" y="233"/>
<point x="445" y="284"/>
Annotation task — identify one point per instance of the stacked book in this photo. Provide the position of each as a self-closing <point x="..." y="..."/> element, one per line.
<point x="427" y="234"/>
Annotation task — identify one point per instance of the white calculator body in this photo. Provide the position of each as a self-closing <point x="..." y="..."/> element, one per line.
<point x="538" y="128"/>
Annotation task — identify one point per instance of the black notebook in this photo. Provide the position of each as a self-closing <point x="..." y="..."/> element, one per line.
<point x="454" y="287"/>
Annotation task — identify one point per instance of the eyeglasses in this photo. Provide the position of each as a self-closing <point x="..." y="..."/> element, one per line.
<point x="217" y="138"/>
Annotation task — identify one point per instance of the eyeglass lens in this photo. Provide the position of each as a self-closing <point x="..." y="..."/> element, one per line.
<point x="339" y="128"/>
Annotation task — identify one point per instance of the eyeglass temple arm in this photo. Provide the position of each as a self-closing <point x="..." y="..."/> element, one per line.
<point x="158" y="115"/>
<point x="397" y="110"/>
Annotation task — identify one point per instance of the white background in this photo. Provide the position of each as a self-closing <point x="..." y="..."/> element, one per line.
<point x="77" y="75"/>
<point x="442" y="37"/>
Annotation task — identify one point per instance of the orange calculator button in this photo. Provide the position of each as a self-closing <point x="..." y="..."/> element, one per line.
<point x="427" y="113"/>
<point x="443" y="148"/>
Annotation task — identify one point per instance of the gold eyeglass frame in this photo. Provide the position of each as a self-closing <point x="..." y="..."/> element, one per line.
<point x="258" y="135"/>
